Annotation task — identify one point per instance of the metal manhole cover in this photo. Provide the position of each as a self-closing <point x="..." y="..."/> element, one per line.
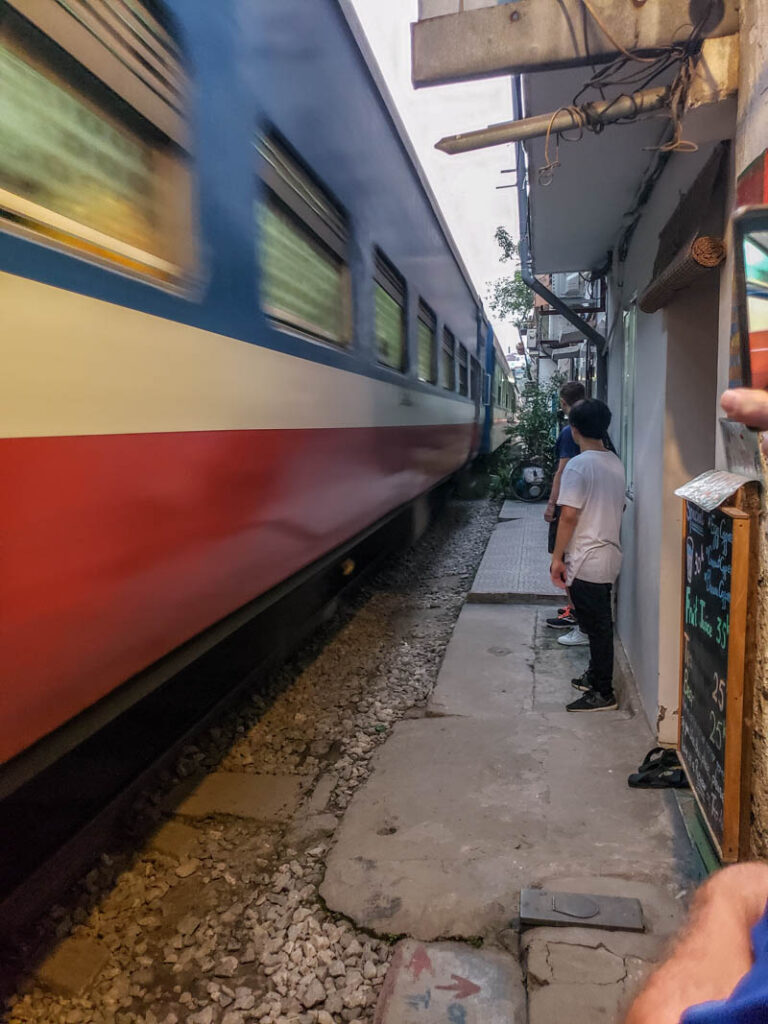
<point x="615" y="913"/>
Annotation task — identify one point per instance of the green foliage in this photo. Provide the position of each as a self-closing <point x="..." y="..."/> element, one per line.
<point x="510" y="297"/>
<point x="500" y="474"/>
<point x="534" y="430"/>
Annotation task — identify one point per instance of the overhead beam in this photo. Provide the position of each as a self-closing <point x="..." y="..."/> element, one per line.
<point x="715" y="78"/>
<point x="541" y="35"/>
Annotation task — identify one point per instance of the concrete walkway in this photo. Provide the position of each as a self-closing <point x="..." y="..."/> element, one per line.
<point x="515" y="564"/>
<point x="498" y="788"/>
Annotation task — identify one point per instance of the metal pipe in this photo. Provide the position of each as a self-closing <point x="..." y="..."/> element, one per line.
<point x="526" y="270"/>
<point x="600" y="112"/>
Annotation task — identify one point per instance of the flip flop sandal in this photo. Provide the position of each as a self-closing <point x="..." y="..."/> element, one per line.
<point x="659" y="756"/>
<point x="660" y="777"/>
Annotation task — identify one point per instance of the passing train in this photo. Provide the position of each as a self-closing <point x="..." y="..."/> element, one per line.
<point x="501" y="400"/>
<point x="236" y="330"/>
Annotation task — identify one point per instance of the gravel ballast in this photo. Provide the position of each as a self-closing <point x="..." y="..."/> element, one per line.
<point x="218" y="920"/>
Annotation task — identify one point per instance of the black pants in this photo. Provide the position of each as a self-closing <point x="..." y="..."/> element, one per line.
<point x="592" y="602"/>
<point x="552" y="534"/>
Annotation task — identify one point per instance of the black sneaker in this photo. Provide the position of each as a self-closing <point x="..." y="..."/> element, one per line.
<point x="582" y="683"/>
<point x="593" y="701"/>
<point x="565" y="620"/>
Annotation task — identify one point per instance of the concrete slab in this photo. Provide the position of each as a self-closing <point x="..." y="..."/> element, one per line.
<point x="572" y="964"/>
<point x="321" y="794"/>
<point x="576" y="1004"/>
<point x="174" y="839"/>
<point x="488" y="666"/>
<point x="306" y="831"/>
<point x="262" y="797"/>
<point x="515" y="566"/>
<point x="596" y="973"/>
<point x="451" y="983"/>
<point x="514" y="509"/>
<point x="497" y="796"/>
<point x="73" y="966"/>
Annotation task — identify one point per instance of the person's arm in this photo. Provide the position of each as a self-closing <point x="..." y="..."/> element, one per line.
<point x="748" y="406"/>
<point x="569" y="517"/>
<point x="549" y="513"/>
<point x="713" y="953"/>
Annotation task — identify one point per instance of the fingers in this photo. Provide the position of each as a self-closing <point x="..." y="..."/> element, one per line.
<point x="746" y="405"/>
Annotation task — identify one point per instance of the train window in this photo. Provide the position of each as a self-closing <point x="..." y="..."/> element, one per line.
<point x="305" y="282"/>
<point x="93" y="134"/>
<point x="426" y="327"/>
<point x="463" y="371"/>
<point x="448" y="360"/>
<point x="389" y="298"/>
<point x="474" y="379"/>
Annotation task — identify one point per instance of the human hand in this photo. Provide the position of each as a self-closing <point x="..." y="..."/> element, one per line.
<point x="549" y="513"/>
<point x="557" y="573"/>
<point x="748" y="406"/>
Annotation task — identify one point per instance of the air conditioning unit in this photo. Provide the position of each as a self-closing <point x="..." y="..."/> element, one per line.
<point x="573" y="286"/>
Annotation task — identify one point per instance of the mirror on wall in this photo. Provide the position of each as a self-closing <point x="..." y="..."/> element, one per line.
<point x="751" y="244"/>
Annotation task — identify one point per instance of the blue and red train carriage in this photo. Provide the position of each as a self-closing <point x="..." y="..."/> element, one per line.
<point x="236" y="331"/>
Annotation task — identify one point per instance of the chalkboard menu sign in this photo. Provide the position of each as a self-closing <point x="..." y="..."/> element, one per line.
<point x="716" y="568"/>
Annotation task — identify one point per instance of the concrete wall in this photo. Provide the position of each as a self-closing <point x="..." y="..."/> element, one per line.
<point x="547" y="369"/>
<point x="676" y="359"/>
<point x="434" y="8"/>
<point x="692" y="327"/>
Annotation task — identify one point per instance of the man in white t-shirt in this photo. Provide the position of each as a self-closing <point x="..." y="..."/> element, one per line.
<point x="587" y="555"/>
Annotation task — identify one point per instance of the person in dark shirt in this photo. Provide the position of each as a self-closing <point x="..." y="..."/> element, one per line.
<point x="565" y="449"/>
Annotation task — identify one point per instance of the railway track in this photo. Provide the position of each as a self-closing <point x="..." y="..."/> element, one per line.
<point x="90" y="800"/>
<point x="75" y="804"/>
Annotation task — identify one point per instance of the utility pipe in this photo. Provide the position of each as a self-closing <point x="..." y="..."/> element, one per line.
<point x="601" y="112"/>
<point x="526" y="272"/>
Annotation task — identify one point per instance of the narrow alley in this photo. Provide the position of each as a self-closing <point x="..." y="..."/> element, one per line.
<point x="494" y="788"/>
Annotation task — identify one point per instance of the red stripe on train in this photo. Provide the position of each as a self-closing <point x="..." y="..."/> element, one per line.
<point x="118" y="548"/>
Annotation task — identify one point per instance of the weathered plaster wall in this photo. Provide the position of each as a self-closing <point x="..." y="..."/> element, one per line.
<point x="674" y="430"/>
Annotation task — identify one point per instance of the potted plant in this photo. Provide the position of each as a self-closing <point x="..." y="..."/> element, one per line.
<point x="533" y="433"/>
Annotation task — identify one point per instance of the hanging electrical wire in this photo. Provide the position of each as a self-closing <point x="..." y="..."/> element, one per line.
<point x="629" y="70"/>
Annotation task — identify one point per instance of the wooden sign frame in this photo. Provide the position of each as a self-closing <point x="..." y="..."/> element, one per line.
<point x="738" y="707"/>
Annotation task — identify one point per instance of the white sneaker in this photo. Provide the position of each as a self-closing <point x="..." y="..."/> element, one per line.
<point x="573" y="638"/>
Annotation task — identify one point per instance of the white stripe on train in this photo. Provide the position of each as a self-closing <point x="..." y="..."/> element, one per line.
<point x="76" y="365"/>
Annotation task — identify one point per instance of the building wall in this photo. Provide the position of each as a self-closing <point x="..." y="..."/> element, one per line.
<point x="547" y="369"/>
<point x="436" y="8"/>
<point x="691" y="323"/>
<point x="676" y="356"/>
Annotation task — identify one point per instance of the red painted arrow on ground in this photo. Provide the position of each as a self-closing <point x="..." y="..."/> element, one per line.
<point x="419" y="963"/>
<point x="463" y="987"/>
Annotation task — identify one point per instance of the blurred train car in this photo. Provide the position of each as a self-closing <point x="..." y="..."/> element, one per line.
<point x="236" y="330"/>
<point x="499" y="398"/>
